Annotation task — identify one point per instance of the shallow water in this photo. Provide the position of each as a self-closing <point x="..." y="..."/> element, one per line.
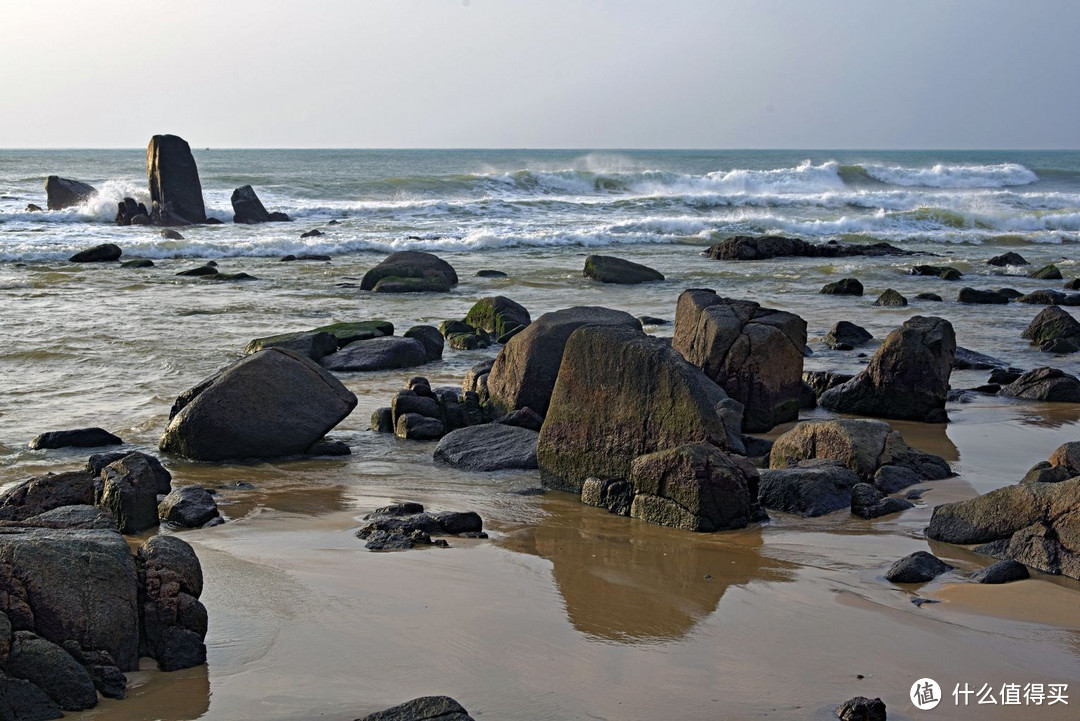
<point x="567" y="612"/>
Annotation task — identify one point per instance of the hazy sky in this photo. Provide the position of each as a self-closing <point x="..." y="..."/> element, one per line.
<point x="544" y="73"/>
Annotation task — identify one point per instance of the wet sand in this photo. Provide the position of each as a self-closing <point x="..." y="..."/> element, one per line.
<point x="568" y="612"/>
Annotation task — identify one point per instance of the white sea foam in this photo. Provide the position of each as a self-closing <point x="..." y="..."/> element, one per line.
<point x="954" y="176"/>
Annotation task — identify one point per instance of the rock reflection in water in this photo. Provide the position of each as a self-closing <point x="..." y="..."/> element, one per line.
<point x="628" y="581"/>
<point x="174" y="696"/>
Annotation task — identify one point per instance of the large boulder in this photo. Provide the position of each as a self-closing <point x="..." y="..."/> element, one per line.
<point x="272" y="403"/>
<point x="428" y="708"/>
<point x="864" y="446"/>
<point x="696" y="487"/>
<point x="609" y="269"/>
<point x="755" y="354"/>
<point x="72" y="584"/>
<point x="248" y="209"/>
<point x="430" y="337"/>
<point x="524" y="372"/>
<point x="64" y="193"/>
<point x="174" y="621"/>
<point x="20" y="700"/>
<point x="175" y="190"/>
<point x="1045" y="384"/>
<point x="1001" y="513"/>
<point x="747" y="247"/>
<point x="1051" y="324"/>
<point x="40" y="494"/>
<point x="908" y="377"/>
<point x="53" y="670"/>
<point x="378" y="354"/>
<point x="429" y="272"/>
<point x="621" y="394"/>
<point x="324" y="340"/>
<point x="489" y="447"/>
<point x="498" y="315"/>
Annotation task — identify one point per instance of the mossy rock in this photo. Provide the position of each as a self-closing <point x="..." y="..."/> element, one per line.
<point x="410" y="271"/>
<point x="609" y="269"/>
<point x="891" y="298"/>
<point x="347" y="333"/>
<point x="498" y="315"/>
<point x="1047" y="272"/>
<point x="845" y="286"/>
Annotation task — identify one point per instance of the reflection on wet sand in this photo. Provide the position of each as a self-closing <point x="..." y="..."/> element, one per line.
<point x="175" y="696"/>
<point x="629" y="581"/>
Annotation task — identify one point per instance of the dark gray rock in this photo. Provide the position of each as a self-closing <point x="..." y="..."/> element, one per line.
<point x="104" y="253"/>
<point x="971" y="360"/>
<point x="77" y="438"/>
<point x="609" y="269"/>
<point x="382" y="420"/>
<point x="39" y="494"/>
<point x="189" y="507"/>
<point x="396" y="269"/>
<point x="431" y="339"/>
<point x="415" y="427"/>
<point x="985" y="297"/>
<point x="175" y="190"/>
<point x="810" y="489"/>
<point x="378" y="354"/>
<point x="891" y="298"/>
<point x="66" y="193"/>
<point x="928" y="296"/>
<point x="1047" y="272"/>
<point x="848" y="333"/>
<point x="53" y="670"/>
<point x="1009" y="258"/>
<point x="845" y="286"/>
<point x="328" y="447"/>
<point x="21" y="700"/>
<point x="616" y="496"/>
<point x="491" y="274"/>
<point x="1050" y="324"/>
<point x="78" y="516"/>
<point x="489" y="447"/>
<point x="174" y="621"/>
<point x="269" y="404"/>
<point x="868" y="502"/>
<point x="523" y="418"/>
<point x="1001" y="572"/>
<point x="428" y="708"/>
<point x="938" y="271"/>
<point x="861" y="708"/>
<point x="821" y="381"/>
<point x="129" y="491"/>
<point x="315" y="345"/>
<point x="248" y="209"/>
<point x="746" y="247"/>
<point x="890" y="479"/>
<point x="1045" y="384"/>
<point x="918" y="567"/>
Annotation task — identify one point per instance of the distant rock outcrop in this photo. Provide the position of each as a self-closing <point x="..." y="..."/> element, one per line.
<point x="175" y="190"/>
<point x="248" y="209"/>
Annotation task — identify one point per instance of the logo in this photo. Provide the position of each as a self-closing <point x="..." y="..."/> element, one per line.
<point x="925" y="694"/>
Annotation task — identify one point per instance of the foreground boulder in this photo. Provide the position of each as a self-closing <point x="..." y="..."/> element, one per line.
<point x="745" y="247"/>
<point x="524" y="372"/>
<point x="428" y="708"/>
<point x="908" y="377"/>
<point x="175" y="190"/>
<point x="53" y="670"/>
<point x="272" y="403"/>
<point x="621" y="394"/>
<point x="77" y="438"/>
<point x="489" y="447"/>
<point x="755" y="354"/>
<point x="39" y="494"/>
<point x="863" y="446"/>
<point x="129" y="490"/>
<point x="64" y="193"/>
<point x="248" y="209"/>
<point x="609" y="269"/>
<point x="1064" y="464"/>
<point x="1045" y="384"/>
<point x="188" y="507"/>
<point x="410" y="271"/>
<point x="104" y="253"/>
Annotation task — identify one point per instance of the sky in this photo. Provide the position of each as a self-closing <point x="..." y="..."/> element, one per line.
<point x="542" y="73"/>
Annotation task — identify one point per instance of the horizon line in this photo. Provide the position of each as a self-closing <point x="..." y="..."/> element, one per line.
<point x="577" y="149"/>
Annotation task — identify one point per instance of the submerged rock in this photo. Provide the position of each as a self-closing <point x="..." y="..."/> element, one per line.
<point x="755" y="354"/>
<point x="272" y="403"/>
<point x="968" y="359"/>
<point x="65" y="193"/>
<point x="891" y="298"/>
<point x="844" y="286"/>
<point x="1009" y="258"/>
<point x="189" y="507"/>
<point x="175" y="190"/>
<point x="77" y="438"/>
<point x="104" y="253"/>
<point x="609" y="269"/>
<point x="908" y="377"/>
<point x="985" y="297"/>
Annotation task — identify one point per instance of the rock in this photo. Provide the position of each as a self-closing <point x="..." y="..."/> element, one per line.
<point x="491" y="274"/>
<point x="458" y="522"/>
<point x="891" y="298"/>
<point x="231" y="277"/>
<point x="490" y="447"/>
<point x="743" y="247"/>
<point x="609" y="269"/>
<point x="72" y="584"/>
<point x="175" y="191"/>
<point x="890" y="478"/>
<point x="104" y="253"/>
<point x="1060" y="346"/>
<point x="1010" y="293"/>
<point x="33" y="208"/>
<point x="53" y="670"/>
<point x="1045" y="297"/>
<point x="170" y="234"/>
<point x="21" y="700"/>
<point x="524" y="372"/>
<point x="928" y="296"/>
<point x="844" y="286"/>
<point x="315" y="345"/>
<point x="497" y="315"/>
<point x="917" y="567"/>
<point x="427" y="708"/>
<point x="76" y="516"/>
<point x="868" y="502"/>
<point x="614" y="495"/>
<point x="268" y="404"/>
<point x="970" y="360"/>
<point x="328" y="447"/>
<point x="695" y="487"/>
<point x="938" y="271"/>
<point x="755" y="354"/>
<point x="1045" y="384"/>
<point x="596" y="427"/>
<point x="174" y="621"/>
<point x="849" y="333"/>
<point x="986" y="297"/>
<point x="247" y="208"/>
<point x="377" y="354"/>
<point x="413" y="426"/>
<point x="821" y="381"/>
<point x="1047" y="272"/>
<point x="1001" y="572"/>
<point x="313" y="233"/>
<point x="129" y="491"/>
<point x="44" y="493"/>
<point x="189" y="507"/>
<point x="1009" y="258"/>
<point x="814" y="488"/>
<point x="199" y="271"/>
<point x="652" y="320"/>
<point x="1051" y="324"/>
<point x="908" y="377"/>
<point x="139" y="263"/>
<point x="407" y="401"/>
<point x="861" y="445"/>
<point x="1004" y="376"/>
<point x="145" y="464"/>
<point x="427" y="271"/>
<point x="523" y="418"/>
<point x="430" y="337"/>
<point x="861" y="708"/>
<point x="382" y="420"/>
<point x="64" y="193"/>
